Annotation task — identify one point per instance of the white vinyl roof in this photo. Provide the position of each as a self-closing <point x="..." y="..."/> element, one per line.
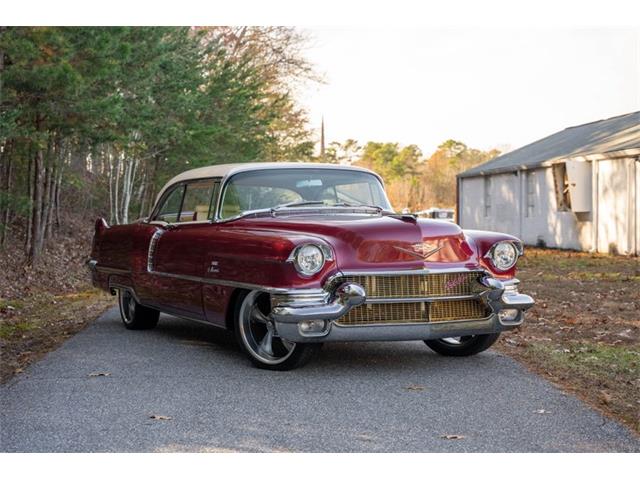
<point x="228" y="169"/>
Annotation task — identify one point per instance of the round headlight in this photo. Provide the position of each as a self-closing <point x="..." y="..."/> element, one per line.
<point x="503" y="255"/>
<point x="309" y="259"/>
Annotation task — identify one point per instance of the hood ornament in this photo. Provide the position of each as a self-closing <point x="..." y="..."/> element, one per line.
<point x="422" y="250"/>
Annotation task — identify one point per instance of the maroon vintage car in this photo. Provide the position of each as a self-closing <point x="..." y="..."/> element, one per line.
<point x="291" y="255"/>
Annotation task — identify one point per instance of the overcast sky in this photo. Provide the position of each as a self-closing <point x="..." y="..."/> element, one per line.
<point x="485" y="87"/>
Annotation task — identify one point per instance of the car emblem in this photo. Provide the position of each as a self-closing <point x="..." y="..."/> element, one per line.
<point x="422" y="250"/>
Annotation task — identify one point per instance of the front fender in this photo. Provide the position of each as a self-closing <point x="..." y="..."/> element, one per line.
<point x="482" y="241"/>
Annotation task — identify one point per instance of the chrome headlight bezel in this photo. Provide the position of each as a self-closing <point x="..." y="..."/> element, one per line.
<point x="495" y="250"/>
<point x="297" y="252"/>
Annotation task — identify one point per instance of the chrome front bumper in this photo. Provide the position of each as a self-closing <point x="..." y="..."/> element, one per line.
<point x="291" y="310"/>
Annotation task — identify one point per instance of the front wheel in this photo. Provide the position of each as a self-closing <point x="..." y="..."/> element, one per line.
<point x="258" y="338"/>
<point x="136" y="316"/>
<point x="462" y="346"/>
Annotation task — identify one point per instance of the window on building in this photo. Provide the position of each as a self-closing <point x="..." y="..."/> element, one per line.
<point x="561" y="182"/>
<point x="531" y="193"/>
<point x="487" y="196"/>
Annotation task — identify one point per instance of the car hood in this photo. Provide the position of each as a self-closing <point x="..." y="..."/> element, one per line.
<point x="382" y="242"/>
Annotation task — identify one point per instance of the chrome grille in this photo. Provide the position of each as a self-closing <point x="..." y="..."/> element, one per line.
<point x="386" y="313"/>
<point x="416" y="312"/>
<point x="456" y="310"/>
<point x="418" y="285"/>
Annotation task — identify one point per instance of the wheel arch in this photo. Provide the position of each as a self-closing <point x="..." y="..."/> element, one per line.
<point x="229" y="320"/>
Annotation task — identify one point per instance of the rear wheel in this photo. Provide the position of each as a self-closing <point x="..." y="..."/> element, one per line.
<point x="136" y="316"/>
<point x="462" y="346"/>
<point x="258" y="338"/>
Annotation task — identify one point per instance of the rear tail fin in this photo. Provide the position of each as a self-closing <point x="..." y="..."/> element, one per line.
<point x="101" y="226"/>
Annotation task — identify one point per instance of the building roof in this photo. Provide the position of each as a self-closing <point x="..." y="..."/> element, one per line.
<point x="228" y="169"/>
<point x="598" y="139"/>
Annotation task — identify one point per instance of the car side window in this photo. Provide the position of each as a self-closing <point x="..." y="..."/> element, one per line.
<point x="168" y="211"/>
<point x="197" y="201"/>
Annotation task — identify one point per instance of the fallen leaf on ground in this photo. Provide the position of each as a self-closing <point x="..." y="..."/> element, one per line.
<point x="414" y="387"/>
<point x="159" y="417"/>
<point x="605" y="397"/>
<point x="100" y="374"/>
<point x="453" y="437"/>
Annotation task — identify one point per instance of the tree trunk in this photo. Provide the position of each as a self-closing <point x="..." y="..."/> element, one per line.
<point x="57" y="196"/>
<point x="29" y="236"/>
<point x="7" y="173"/>
<point x="36" y="208"/>
<point x="128" y="182"/>
<point x="45" y="208"/>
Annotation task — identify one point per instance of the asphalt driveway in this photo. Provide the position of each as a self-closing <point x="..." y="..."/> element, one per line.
<point x="354" y="397"/>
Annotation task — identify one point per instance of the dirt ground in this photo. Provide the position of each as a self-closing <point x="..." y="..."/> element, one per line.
<point x="584" y="332"/>
<point x="31" y="327"/>
<point x="43" y="305"/>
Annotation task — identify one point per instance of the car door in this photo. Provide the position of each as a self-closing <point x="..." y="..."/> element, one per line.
<point x="178" y="247"/>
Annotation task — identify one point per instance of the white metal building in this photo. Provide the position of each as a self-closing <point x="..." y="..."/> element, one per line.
<point x="577" y="189"/>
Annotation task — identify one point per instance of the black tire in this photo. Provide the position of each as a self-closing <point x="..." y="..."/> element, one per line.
<point x="293" y="355"/>
<point x="135" y="316"/>
<point x="467" y="346"/>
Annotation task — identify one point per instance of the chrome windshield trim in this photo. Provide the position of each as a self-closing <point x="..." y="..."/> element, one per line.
<point x="333" y="209"/>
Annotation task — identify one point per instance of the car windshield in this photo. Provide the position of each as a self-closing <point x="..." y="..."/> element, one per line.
<point x="300" y="187"/>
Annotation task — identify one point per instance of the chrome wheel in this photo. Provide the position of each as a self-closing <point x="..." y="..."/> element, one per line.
<point x="127" y="307"/>
<point x="135" y="316"/>
<point x="258" y="333"/>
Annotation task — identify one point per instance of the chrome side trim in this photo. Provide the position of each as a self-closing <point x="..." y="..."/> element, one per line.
<point x="153" y="243"/>
<point x="231" y="283"/>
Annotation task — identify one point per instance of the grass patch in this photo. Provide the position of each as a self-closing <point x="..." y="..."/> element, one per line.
<point x="15" y="304"/>
<point x="605" y="376"/>
<point x="598" y="361"/>
<point x="39" y="323"/>
<point x="9" y="330"/>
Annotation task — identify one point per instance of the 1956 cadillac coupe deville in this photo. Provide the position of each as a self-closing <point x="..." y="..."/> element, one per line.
<point x="291" y="255"/>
